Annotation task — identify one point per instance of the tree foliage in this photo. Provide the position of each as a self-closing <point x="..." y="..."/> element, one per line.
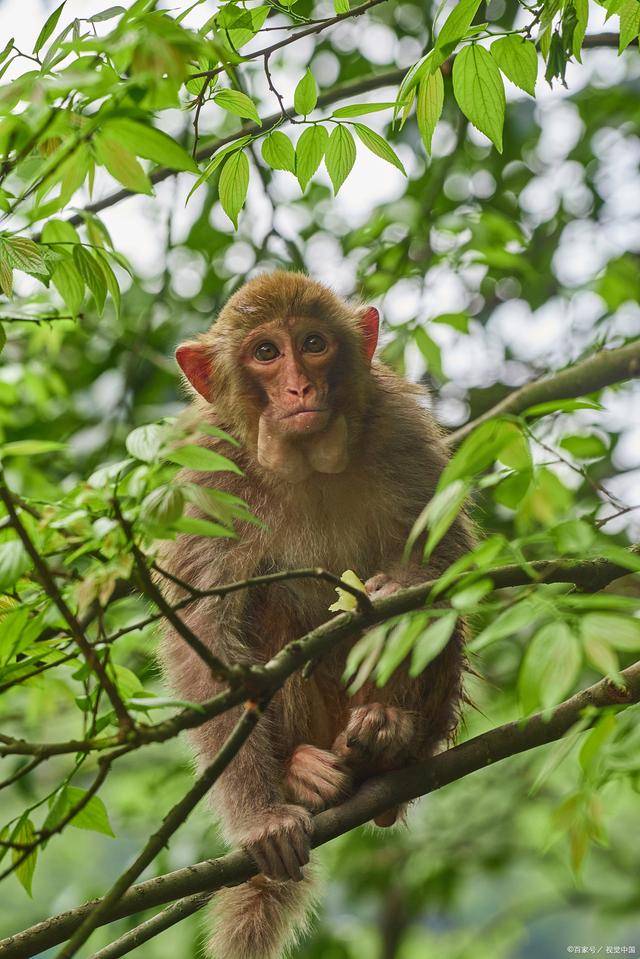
<point x="500" y="233"/>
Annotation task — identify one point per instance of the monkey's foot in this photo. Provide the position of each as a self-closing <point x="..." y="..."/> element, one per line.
<point x="381" y="585"/>
<point x="279" y="844"/>
<point x="376" y="732"/>
<point x="390" y="816"/>
<point x="316" y="778"/>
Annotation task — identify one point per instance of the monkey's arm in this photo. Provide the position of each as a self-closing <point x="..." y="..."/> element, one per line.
<point x="248" y="798"/>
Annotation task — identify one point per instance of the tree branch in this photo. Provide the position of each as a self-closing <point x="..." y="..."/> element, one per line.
<point x="602" y="369"/>
<point x="171" y="822"/>
<point x="373" y="798"/>
<point x="48" y="584"/>
<point x="316" y="27"/>
<point x="589" y="575"/>
<point x="340" y="92"/>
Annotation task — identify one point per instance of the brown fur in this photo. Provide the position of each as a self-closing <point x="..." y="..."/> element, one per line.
<point x="357" y="519"/>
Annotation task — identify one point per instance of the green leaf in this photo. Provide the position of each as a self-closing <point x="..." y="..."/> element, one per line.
<point x="510" y="621"/>
<point x="363" y="657"/>
<point x="163" y="505"/>
<point x="469" y="597"/>
<point x="594" y="741"/>
<point x="561" y="406"/>
<point x="550" y="667"/>
<point x="437" y="516"/>
<point x="430" y="352"/>
<point x="278" y="152"/>
<point x="233" y="185"/>
<point x="600" y="654"/>
<point x="410" y="81"/>
<point x="211" y="430"/>
<point x="360" y="109"/>
<point x="23" y="254"/>
<point x="107" y="14"/>
<point x="90" y="269"/>
<point x="573" y="537"/>
<point x="144" y="140"/>
<point x="479" y="90"/>
<point x="121" y="164"/>
<point x="629" y="23"/>
<point x="432" y="642"/>
<point x="378" y="145"/>
<point x="14" y="562"/>
<point x="310" y="150"/>
<point x="110" y="280"/>
<point x="29" y="448"/>
<point x="240" y="24"/>
<point x="453" y="30"/>
<point x="213" y="164"/>
<point x="429" y="106"/>
<point x="584" y="447"/>
<point x="59" y="231"/>
<point x="3" y="338"/>
<point x="518" y="60"/>
<point x="199" y="458"/>
<point x="581" y="8"/>
<point x="398" y="645"/>
<point x="340" y="156"/>
<point x="93" y="816"/>
<point x="621" y="632"/>
<point x="6" y="273"/>
<point x="24" y="833"/>
<point x="233" y="101"/>
<point x="69" y="285"/>
<point x="48" y="28"/>
<point x="479" y="450"/>
<point x="305" y="96"/>
<point x="202" y="527"/>
<point x="341" y="6"/>
<point x="145" y="442"/>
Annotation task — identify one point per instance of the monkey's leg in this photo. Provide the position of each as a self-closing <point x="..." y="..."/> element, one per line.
<point x="316" y="778"/>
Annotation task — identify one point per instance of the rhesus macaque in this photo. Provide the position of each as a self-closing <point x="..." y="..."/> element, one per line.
<point x="338" y="458"/>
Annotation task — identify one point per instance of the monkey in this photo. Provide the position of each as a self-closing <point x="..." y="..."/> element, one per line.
<point x="338" y="456"/>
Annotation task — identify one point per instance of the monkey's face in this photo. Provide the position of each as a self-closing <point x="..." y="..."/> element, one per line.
<point x="287" y="368"/>
<point x="293" y="368"/>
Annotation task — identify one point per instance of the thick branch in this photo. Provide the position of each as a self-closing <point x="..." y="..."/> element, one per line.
<point x="589" y="575"/>
<point x="372" y="798"/>
<point x="340" y="92"/>
<point x="602" y="369"/>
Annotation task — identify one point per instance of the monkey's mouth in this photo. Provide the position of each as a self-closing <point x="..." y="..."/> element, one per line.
<point x="305" y="420"/>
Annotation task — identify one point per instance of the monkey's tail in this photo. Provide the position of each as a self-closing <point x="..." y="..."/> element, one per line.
<point x="261" y="919"/>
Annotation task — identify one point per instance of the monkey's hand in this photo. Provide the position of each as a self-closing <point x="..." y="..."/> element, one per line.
<point x="279" y="845"/>
<point x="377" y="738"/>
<point x="316" y="778"/>
<point x="376" y="733"/>
<point x="381" y="585"/>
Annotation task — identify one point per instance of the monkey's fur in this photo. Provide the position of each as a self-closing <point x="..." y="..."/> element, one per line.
<point x="314" y="742"/>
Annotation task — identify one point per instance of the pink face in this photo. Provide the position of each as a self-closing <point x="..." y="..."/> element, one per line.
<point x="292" y="365"/>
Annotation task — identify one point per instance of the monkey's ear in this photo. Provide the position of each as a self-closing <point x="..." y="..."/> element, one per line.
<point x="370" y="326"/>
<point x="195" y="364"/>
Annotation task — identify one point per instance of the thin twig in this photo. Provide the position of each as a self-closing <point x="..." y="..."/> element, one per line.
<point x="171" y="822"/>
<point x="48" y="583"/>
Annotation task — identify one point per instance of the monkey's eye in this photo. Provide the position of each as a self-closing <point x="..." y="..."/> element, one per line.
<point x="314" y="343"/>
<point x="264" y="352"/>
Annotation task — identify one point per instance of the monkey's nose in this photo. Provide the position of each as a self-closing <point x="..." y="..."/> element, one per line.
<point x="301" y="390"/>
